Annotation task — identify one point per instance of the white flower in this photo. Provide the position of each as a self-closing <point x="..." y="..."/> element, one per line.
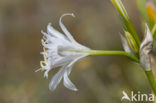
<point x="60" y="51"/>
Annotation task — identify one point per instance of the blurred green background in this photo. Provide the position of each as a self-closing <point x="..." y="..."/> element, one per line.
<point x="100" y="79"/>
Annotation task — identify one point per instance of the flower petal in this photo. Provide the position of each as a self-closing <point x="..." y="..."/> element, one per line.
<point x="145" y="49"/>
<point x="67" y="33"/>
<point x="67" y="83"/>
<point x="56" y="79"/>
<point x="54" y="32"/>
<point x="64" y="29"/>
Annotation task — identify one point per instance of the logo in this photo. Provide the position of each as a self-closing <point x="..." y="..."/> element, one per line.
<point x="137" y="96"/>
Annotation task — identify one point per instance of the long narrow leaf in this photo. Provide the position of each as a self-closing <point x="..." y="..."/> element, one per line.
<point x="128" y="26"/>
<point x="142" y="8"/>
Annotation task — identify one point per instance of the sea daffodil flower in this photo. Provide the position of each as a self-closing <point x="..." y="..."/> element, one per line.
<point x="60" y="51"/>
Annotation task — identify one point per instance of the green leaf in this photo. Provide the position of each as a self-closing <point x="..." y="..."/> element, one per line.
<point x="128" y="26"/>
<point x="142" y="8"/>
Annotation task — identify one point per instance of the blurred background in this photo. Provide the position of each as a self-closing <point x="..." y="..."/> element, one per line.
<point x="100" y="79"/>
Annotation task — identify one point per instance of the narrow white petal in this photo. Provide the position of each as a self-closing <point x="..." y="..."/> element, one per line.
<point x="64" y="29"/>
<point x="56" y="79"/>
<point x="81" y="47"/>
<point x="47" y="71"/>
<point x="125" y="44"/>
<point x="45" y="34"/>
<point x="75" y="60"/>
<point x="67" y="83"/>
<point x="54" y="32"/>
<point x="67" y="33"/>
<point x="61" y="61"/>
<point x="145" y="49"/>
<point x="48" y="38"/>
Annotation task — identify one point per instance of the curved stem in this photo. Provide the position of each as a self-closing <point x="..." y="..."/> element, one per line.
<point x="150" y="77"/>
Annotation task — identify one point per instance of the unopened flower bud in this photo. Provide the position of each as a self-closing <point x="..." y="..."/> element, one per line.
<point x="131" y="42"/>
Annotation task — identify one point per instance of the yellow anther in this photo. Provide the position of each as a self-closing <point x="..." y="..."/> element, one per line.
<point x="42" y="41"/>
<point x="45" y="62"/>
<point x="44" y="51"/>
<point x="42" y="64"/>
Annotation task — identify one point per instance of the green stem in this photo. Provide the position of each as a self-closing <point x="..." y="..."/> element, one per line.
<point x="150" y="77"/>
<point x="154" y="29"/>
<point x="103" y="52"/>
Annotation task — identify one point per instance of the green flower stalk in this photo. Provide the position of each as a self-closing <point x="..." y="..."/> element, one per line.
<point x="105" y="52"/>
<point x="154" y="30"/>
<point x="150" y="77"/>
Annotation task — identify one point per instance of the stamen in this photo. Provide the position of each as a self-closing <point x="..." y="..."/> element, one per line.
<point x="42" y="41"/>
<point x="45" y="62"/>
<point x="44" y="53"/>
<point x="42" y="64"/>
